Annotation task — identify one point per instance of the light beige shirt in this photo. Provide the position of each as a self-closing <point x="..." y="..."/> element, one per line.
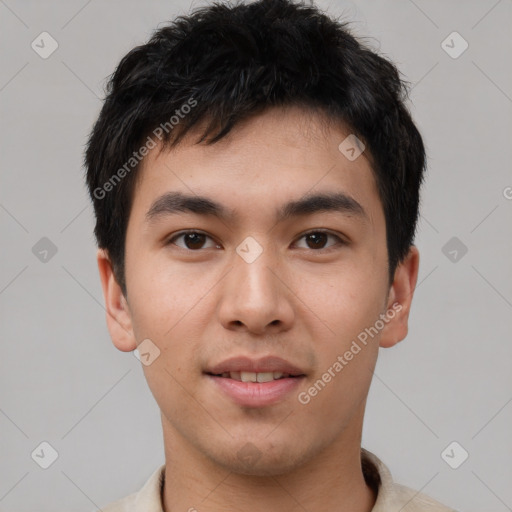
<point x="391" y="497"/>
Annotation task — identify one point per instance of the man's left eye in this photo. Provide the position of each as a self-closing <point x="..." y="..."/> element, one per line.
<point x="319" y="238"/>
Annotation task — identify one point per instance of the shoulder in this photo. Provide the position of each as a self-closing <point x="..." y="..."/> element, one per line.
<point x="414" y="501"/>
<point x="392" y="496"/>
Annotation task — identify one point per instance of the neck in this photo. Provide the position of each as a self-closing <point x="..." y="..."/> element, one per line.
<point x="331" y="480"/>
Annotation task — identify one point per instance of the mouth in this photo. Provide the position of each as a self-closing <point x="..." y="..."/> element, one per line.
<point x="252" y="382"/>
<point x="255" y="389"/>
<point x="255" y="376"/>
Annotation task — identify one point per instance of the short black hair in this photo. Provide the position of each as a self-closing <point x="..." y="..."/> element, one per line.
<point x="225" y="63"/>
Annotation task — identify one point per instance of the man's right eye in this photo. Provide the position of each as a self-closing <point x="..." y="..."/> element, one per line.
<point x="193" y="240"/>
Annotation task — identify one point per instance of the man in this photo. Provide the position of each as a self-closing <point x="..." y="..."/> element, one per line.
<point x="255" y="177"/>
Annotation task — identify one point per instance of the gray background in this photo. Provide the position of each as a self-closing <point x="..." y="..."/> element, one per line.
<point x="62" y="380"/>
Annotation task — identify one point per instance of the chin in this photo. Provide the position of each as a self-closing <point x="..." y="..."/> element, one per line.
<point x="253" y="460"/>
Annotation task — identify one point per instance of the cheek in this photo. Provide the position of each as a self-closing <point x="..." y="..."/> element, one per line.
<point x="346" y="361"/>
<point x="168" y="310"/>
<point x="343" y="302"/>
<point x="343" y="310"/>
<point x="159" y="298"/>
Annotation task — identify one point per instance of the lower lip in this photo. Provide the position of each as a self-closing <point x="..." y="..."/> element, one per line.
<point x="256" y="394"/>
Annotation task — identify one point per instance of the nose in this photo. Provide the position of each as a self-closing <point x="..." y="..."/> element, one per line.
<point x="256" y="297"/>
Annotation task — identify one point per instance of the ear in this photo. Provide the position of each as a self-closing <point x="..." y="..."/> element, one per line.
<point x="400" y="299"/>
<point x="119" y="321"/>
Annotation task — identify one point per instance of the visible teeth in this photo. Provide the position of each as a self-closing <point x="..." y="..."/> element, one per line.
<point x="265" y="377"/>
<point x="256" y="377"/>
<point x="248" y="376"/>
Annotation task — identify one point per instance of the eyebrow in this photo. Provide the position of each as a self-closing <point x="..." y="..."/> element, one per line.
<point x="175" y="202"/>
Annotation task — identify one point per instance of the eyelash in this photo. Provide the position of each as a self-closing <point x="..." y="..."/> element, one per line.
<point x="340" y="241"/>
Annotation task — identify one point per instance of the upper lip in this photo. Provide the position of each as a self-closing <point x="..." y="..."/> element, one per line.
<point x="263" y="365"/>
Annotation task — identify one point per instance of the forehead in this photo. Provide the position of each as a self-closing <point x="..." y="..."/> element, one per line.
<point x="280" y="154"/>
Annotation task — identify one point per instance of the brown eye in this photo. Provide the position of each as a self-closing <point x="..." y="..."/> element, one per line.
<point x="193" y="240"/>
<point x="318" y="239"/>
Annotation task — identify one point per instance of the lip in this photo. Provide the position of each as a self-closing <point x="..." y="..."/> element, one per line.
<point x="262" y="365"/>
<point x="256" y="394"/>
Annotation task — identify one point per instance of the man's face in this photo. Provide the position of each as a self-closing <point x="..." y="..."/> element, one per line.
<point x="254" y="285"/>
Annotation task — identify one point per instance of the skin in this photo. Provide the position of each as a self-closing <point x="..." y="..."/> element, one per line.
<point x="203" y="304"/>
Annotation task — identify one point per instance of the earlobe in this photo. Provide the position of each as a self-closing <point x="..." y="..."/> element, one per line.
<point x="400" y="299"/>
<point x="118" y="315"/>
